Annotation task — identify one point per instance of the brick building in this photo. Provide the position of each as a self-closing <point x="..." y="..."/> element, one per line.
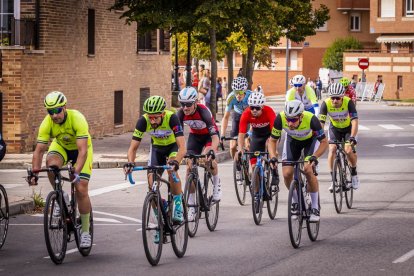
<point x="81" y="48"/>
<point x="348" y="18"/>
<point x="392" y="21"/>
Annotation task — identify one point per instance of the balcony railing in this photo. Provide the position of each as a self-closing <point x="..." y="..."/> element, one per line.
<point x="23" y="32"/>
<point x="352" y="4"/>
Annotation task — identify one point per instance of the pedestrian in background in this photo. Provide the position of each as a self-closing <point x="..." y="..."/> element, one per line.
<point x="224" y="87"/>
<point x="319" y="88"/>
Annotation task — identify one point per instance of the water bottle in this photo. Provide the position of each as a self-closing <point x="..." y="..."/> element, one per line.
<point x="164" y="205"/>
<point x="66" y="199"/>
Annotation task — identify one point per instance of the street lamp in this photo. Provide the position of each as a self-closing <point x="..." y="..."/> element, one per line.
<point x="176" y="87"/>
<point x="188" y="66"/>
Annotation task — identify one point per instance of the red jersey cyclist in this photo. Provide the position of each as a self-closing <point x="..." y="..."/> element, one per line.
<point x="349" y="89"/>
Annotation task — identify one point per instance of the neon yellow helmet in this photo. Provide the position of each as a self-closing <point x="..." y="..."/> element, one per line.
<point x="154" y="104"/>
<point x="345" y="82"/>
<point x="55" y="99"/>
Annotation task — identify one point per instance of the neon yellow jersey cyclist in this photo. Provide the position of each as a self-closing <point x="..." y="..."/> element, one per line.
<point x="304" y="93"/>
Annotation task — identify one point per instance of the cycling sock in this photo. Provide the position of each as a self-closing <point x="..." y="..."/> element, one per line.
<point x="315" y="200"/>
<point x="295" y="197"/>
<point x="191" y="198"/>
<point x="85" y="222"/>
<point x="215" y="179"/>
<point x="177" y="199"/>
<point x="331" y="175"/>
<point x="353" y="171"/>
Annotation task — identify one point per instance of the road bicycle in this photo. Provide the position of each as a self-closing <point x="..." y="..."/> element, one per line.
<point x="304" y="205"/>
<point x="4" y="215"/>
<point x="62" y="218"/>
<point x="342" y="178"/>
<point x="157" y="222"/>
<point x="261" y="189"/>
<point x="241" y="175"/>
<point x="202" y="194"/>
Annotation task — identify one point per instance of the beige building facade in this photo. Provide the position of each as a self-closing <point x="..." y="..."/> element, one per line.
<point x="81" y="48"/>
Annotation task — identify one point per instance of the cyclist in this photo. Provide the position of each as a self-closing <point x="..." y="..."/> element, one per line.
<point x="304" y="93"/>
<point x="237" y="100"/>
<point x="71" y="142"/>
<point x="344" y="125"/>
<point x="167" y="142"/>
<point x="260" y="117"/>
<point x="303" y="132"/>
<point x="203" y="138"/>
<point x="349" y="89"/>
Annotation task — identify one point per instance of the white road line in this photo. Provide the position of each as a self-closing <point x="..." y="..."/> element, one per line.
<point x="9" y="186"/>
<point x="118" y="216"/>
<point x="67" y="252"/>
<point x="361" y="127"/>
<point x="95" y="224"/>
<point x="113" y="188"/>
<point x="106" y="220"/>
<point x="411" y="124"/>
<point x="390" y="127"/>
<point x="404" y="257"/>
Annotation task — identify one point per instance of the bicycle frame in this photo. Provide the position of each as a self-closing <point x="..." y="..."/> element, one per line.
<point x="260" y="157"/>
<point x="194" y="170"/>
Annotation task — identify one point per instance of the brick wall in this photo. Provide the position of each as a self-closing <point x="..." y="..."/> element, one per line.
<point x="88" y="82"/>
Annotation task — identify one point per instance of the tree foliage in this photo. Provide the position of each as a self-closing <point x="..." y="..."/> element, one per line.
<point x="333" y="57"/>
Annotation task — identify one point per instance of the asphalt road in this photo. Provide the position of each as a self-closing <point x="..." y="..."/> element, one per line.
<point x="373" y="238"/>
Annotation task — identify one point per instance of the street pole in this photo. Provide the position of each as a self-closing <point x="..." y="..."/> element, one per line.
<point x="188" y="67"/>
<point x="287" y="64"/>
<point x="176" y="87"/>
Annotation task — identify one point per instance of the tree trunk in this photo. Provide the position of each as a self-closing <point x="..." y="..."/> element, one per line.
<point x="250" y="65"/>
<point x="213" y="59"/>
<point x="230" y="69"/>
<point x="244" y="61"/>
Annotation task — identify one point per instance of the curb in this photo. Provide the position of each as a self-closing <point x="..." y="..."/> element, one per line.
<point x="20" y="207"/>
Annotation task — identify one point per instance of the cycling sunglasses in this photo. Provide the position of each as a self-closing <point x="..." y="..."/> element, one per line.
<point x="239" y="92"/>
<point x="298" y="85"/>
<point x="55" y="110"/>
<point x="336" y="98"/>
<point x="154" y="117"/>
<point x="186" y="104"/>
<point x="255" y="108"/>
<point x="292" y="119"/>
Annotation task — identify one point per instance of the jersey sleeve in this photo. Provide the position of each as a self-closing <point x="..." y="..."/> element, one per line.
<point x="44" y="131"/>
<point x="277" y="127"/>
<point x="317" y="129"/>
<point x="80" y="126"/>
<point x="353" y="114"/>
<point x="176" y="126"/>
<point x="140" y="129"/>
<point x="207" y="118"/>
<point x="272" y="117"/>
<point x="323" y="112"/>
<point x="180" y="115"/>
<point x="290" y="94"/>
<point x="230" y="102"/>
<point x="312" y="97"/>
<point x="244" y="120"/>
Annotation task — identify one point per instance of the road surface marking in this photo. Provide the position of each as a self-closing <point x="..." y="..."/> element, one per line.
<point x="118" y="216"/>
<point x="390" y="127"/>
<point x="114" y="188"/>
<point x="106" y="220"/>
<point x="398" y="145"/>
<point x="68" y="252"/>
<point x="361" y="127"/>
<point x="9" y="186"/>
<point x="404" y="257"/>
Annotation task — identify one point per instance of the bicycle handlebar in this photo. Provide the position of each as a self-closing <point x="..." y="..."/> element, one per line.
<point x="341" y="143"/>
<point x="150" y="168"/>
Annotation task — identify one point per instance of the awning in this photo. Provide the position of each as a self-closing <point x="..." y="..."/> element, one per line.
<point x="395" y="39"/>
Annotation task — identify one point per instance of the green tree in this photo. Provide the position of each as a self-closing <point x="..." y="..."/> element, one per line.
<point x="333" y="57"/>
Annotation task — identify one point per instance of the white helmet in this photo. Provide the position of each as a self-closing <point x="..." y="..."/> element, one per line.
<point x="294" y="108"/>
<point x="298" y="80"/>
<point x="239" y="83"/>
<point x="336" y="89"/>
<point x="256" y="99"/>
<point x="187" y="95"/>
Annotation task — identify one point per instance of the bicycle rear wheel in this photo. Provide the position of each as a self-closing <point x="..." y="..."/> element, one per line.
<point x="179" y="235"/>
<point x="273" y="195"/>
<point x="257" y="200"/>
<point x="195" y="205"/>
<point x="313" y="227"/>
<point x="212" y="211"/>
<point x="337" y="185"/>
<point x="4" y="215"/>
<point x="349" y="192"/>
<point x="239" y="184"/>
<point x="295" y="220"/>
<point x="55" y="228"/>
<point x="152" y="228"/>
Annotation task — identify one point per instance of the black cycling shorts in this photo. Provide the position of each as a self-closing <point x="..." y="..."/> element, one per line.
<point x="292" y="148"/>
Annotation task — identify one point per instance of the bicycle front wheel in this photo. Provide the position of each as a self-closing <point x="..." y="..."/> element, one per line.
<point x="257" y="199"/>
<point x="295" y="218"/>
<point x="337" y="186"/>
<point x="349" y="192"/>
<point x="152" y="228"/>
<point x="179" y="235"/>
<point x="239" y="184"/>
<point x="55" y="228"/>
<point x="4" y="215"/>
<point x="193" y="217"/>
<point x="273" y="195"/>
<point x="213" y="207"/>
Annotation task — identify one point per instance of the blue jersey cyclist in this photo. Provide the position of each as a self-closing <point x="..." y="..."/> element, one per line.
<point x="167" y="145"/>
<point x="304" y="93"/>
<point x="237" y="101"/>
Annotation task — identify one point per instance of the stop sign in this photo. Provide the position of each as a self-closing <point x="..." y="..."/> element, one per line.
<point x="363" y="63"/>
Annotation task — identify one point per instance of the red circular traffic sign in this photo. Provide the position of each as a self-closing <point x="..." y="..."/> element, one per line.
<point x="363" y="63"/>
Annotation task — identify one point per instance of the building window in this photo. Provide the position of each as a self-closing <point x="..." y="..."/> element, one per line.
<point x="147" y="42"/>
<point x="6" y="15"/>
<point x="324" y="28"/>
<point x="394" y="48"/>
<point x="386" y="8"/>
<point x="355" y="24"/>
<point x="91" y="32"/>
<point x="399" y="82"/>
<point x="118" y="107"/>
<point x="408" y="8"/>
